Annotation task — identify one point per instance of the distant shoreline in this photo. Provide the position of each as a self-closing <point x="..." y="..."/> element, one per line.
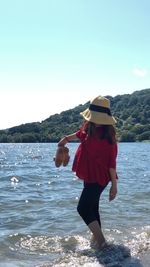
<point x="132" y="113"/>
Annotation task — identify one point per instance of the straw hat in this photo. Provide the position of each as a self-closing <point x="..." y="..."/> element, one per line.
<point x="99" y="112"/>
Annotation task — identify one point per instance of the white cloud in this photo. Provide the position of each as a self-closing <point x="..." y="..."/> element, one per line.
<point x="140" y="72"/>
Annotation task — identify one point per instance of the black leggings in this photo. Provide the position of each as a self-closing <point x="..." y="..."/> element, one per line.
<point x="88" y="206"/>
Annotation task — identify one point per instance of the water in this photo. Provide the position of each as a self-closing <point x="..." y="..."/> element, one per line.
<point x="39" y="225"/>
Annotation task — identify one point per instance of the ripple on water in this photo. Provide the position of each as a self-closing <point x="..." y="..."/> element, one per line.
<point x="38" y="199"/>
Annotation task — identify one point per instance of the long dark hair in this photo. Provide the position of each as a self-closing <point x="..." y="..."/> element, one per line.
<point x="108" y="131"/>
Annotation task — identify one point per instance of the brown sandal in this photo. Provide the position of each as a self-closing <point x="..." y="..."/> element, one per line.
<point x="62" y="156"/>
<point x="59" y="156"/>
<point x="66" y="157"/>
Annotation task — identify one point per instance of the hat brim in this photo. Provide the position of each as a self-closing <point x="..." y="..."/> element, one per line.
<point x="98" y="117"/>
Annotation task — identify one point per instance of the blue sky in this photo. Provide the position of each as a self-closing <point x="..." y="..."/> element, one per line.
<point x="57" y="54"/>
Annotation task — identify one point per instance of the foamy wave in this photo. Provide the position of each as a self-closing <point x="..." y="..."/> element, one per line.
<point x="75" y="251"/>
<point x="139" y="241"/>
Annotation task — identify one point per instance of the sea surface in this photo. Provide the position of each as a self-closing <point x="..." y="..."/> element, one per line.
<point x="39" y="224"/>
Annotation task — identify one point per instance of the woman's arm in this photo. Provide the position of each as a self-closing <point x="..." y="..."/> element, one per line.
<point x="67" y="138"/>
<point x="113" y="189"/>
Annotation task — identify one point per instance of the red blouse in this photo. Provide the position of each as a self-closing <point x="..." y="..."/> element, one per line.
<point x="93" y="159"/>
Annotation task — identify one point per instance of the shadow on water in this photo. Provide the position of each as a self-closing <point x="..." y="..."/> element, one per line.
<point x="114" y="256"/>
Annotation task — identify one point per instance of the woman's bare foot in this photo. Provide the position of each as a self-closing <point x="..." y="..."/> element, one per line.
<point x="97" y="233"/>
<point x="95" y="245"/>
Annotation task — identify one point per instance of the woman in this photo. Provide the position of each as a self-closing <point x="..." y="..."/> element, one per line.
<point x="95" y="162"/>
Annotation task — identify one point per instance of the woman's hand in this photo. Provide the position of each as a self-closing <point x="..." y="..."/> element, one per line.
<point x="112" y="192"/>
<point x="63" y="141"/>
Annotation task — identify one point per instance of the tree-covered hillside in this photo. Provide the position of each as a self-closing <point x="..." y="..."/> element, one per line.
<point x="132" y="112"/>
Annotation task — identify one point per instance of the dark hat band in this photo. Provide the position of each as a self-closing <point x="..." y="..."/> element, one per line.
<point x="100" y="109"/>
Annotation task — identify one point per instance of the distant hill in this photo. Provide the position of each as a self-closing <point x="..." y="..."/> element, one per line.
<point x="132" y="112"/>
